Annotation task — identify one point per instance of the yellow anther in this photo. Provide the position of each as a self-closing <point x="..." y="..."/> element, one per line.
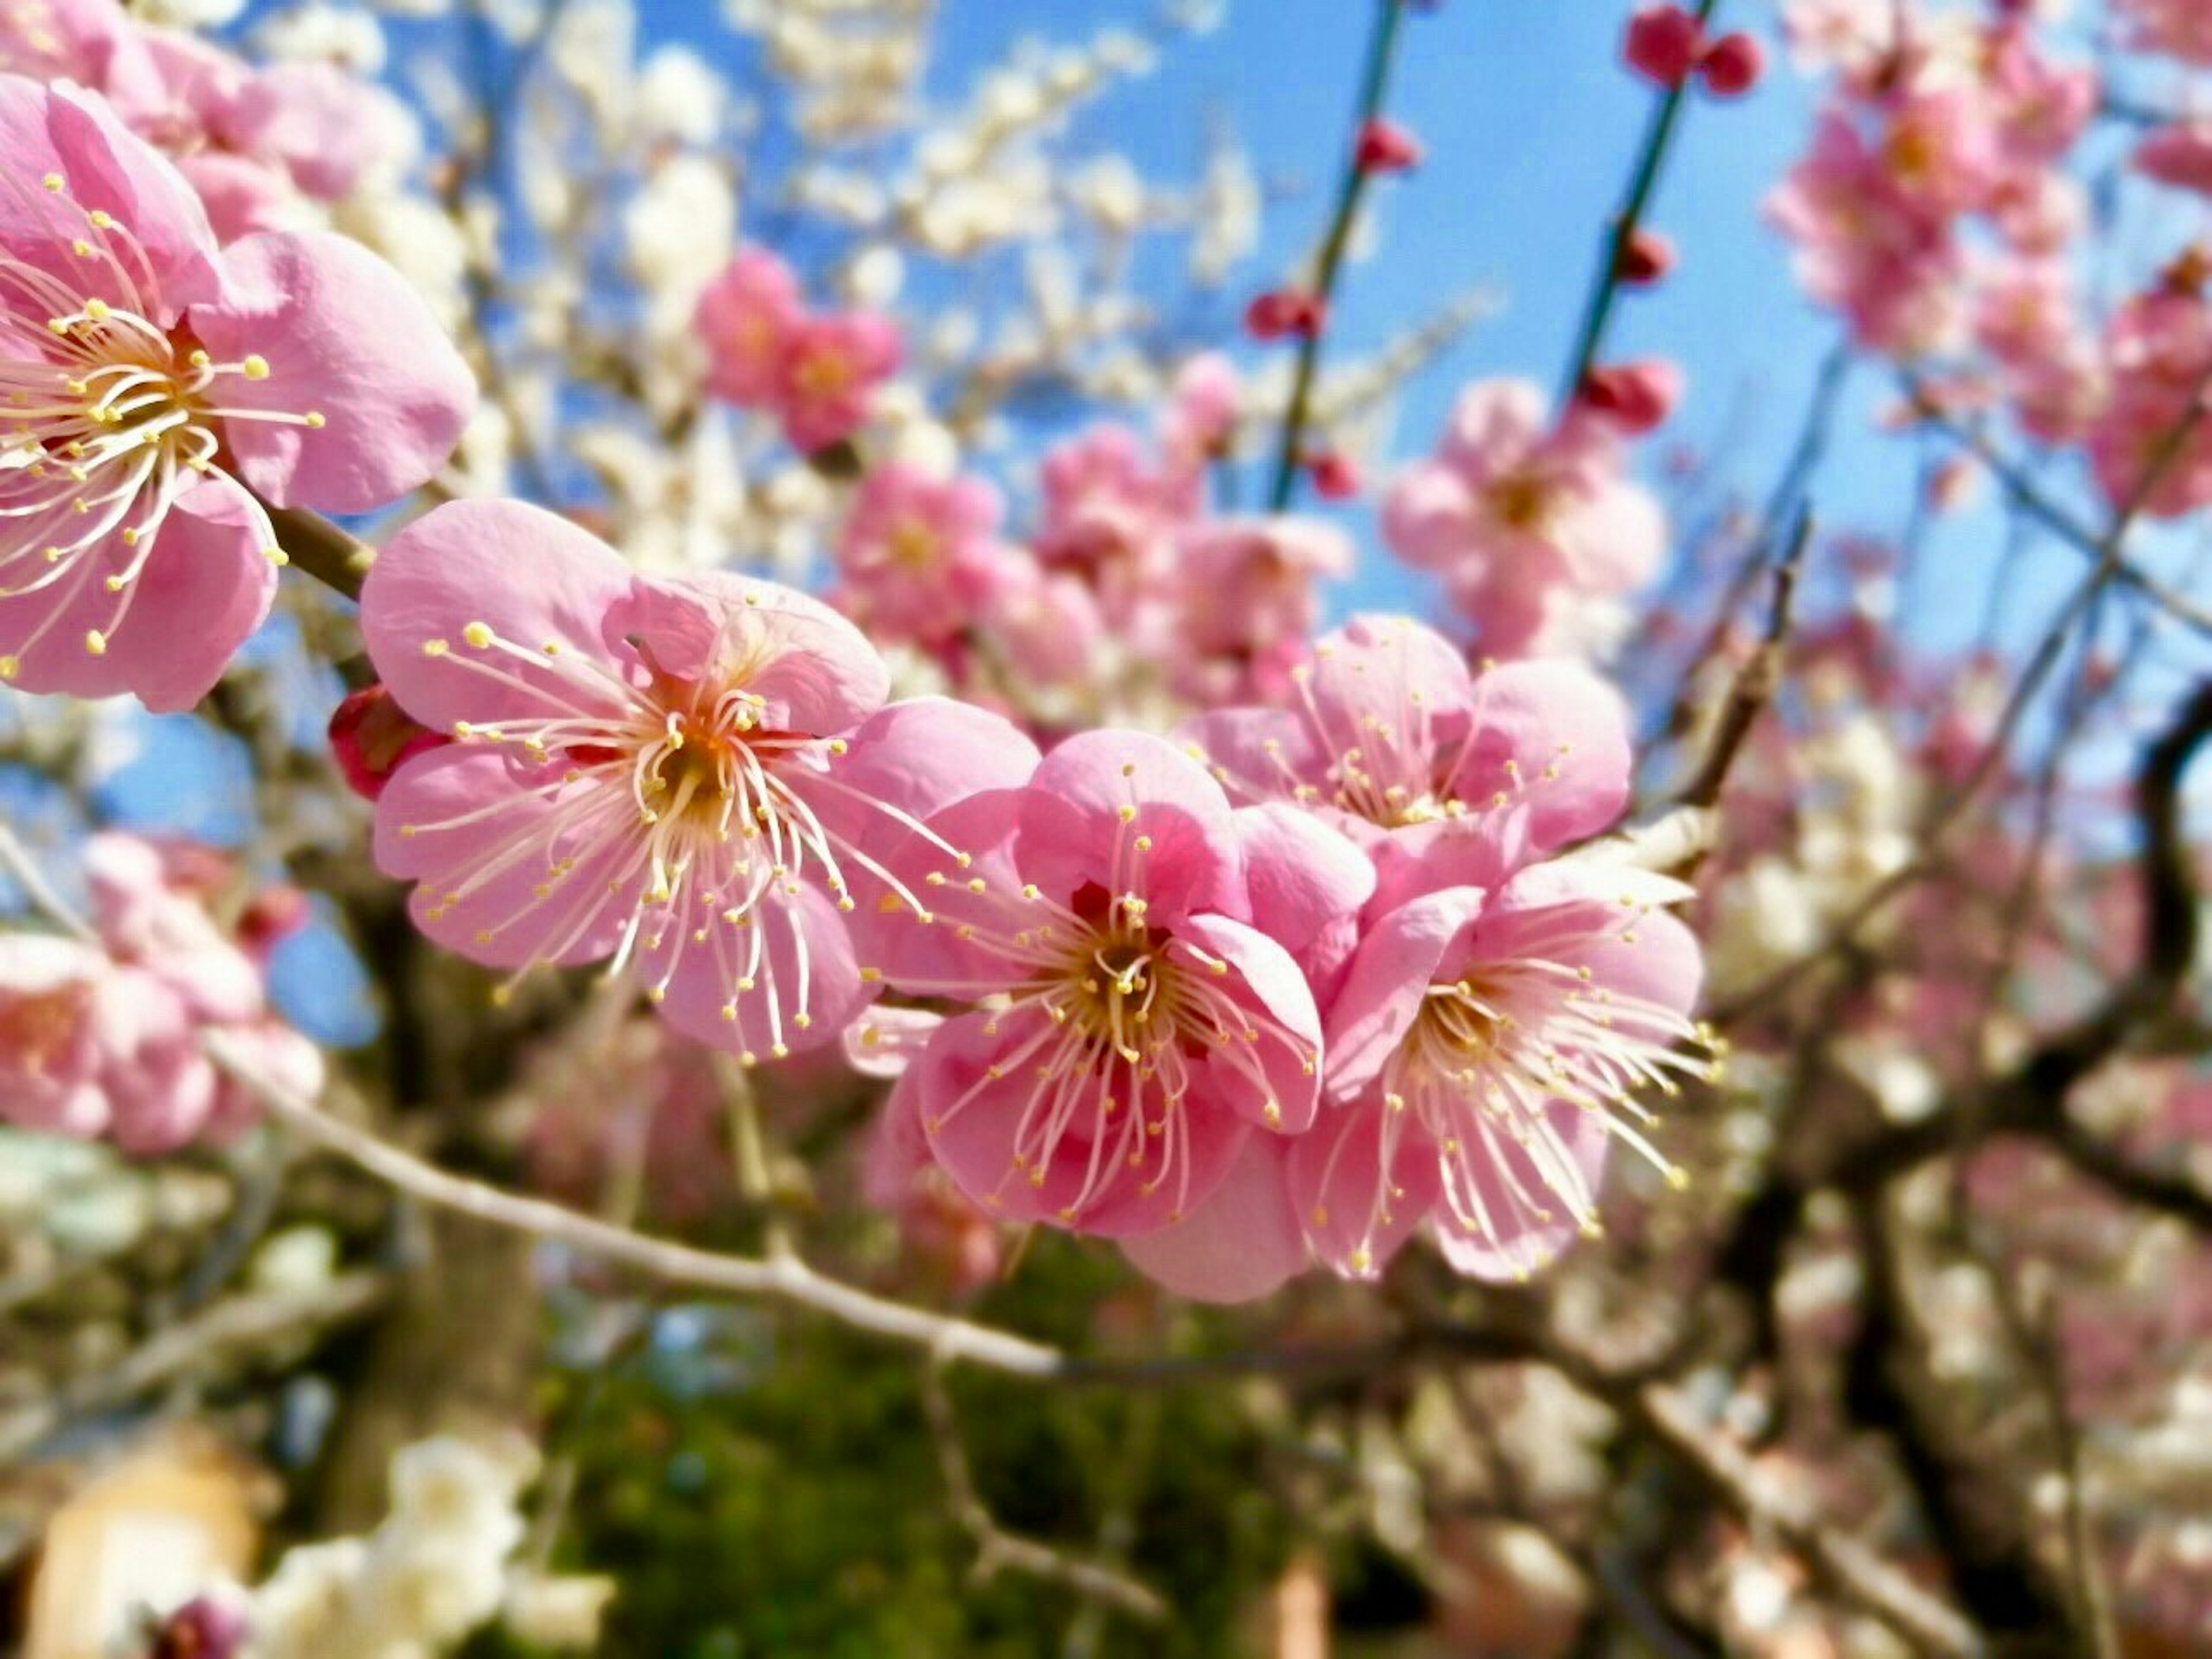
<point x="477" y="635"/>
<point x="255" y="368"/>
<point x="96" y="642"/>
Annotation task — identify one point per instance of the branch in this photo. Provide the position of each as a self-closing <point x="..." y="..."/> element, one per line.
<point x="243" y="1321"/>
<point x="319" y="548"/>
<point x="781" y="1277"/>
<point x="1642" y="183"/>
<point x="997" y="1550"/>
<point x="1847" y="1566"/>
<point x="1380" y="45"/>
<point x="1755" y="685"/>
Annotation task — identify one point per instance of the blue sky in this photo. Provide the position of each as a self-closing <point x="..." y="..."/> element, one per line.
<point x="1531" y="126"/>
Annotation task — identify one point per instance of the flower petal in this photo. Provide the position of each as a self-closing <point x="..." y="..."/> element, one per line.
<point x="1240" y="1244"/>
<point x="346" y="338"/>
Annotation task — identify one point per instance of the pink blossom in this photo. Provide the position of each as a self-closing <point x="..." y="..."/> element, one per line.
<point x="2158" y="351"/>
<point x="826" y="386"/>
<point x="1525" y="523"/>
<point x="107" y="1039"/>
<point x="746" y="318"/>
<point x="1392" y="741"/>
<point x="1202" y="411"/>
<point x="1128" y="1025"/>
<point x="919" y="557"/>
<point x="2180" y="29"/>
<point x="1248" y="600"/>
<point x="1109" y="515"/>
<point x="1486" y="1050"/>
<point x="1881" y="253"/>
<point x="2179" y="155"/>
<point x="2040" y="107"/>
<point x="159" y="384"/>
<point x="63" y="40"/>
<point x="684" y="776"/>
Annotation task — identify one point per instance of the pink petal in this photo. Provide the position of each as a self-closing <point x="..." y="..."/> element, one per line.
<point x="818" y="672"/>
<point x="1307" y="882"/>
<point x="1240" y="1244"/>
<point x="345" y="337"/>
<point x="1073" y="832"/>
<point x="63" y="132"/>
<point x="972" y="1121"/>
<point x="504" y="923"/>
<point x="807" y="973"/>
<point x="1520" y="1244"/>
<point x="931" y="958"/>
<point x="1262" y="979"/>
<point x="529" y="575"/>
<point x="206" y="586"/>
<point x="1391" y="975"/>
<point x="1356" y="1212"/>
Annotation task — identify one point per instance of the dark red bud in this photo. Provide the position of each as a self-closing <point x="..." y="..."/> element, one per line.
<point x="1283" y="312"/>
<point x="1633" y="398"/>
<point x="1386" y="147"/>
<point x="371" y="735"/>
<point x="1335" y="478"/>
<point x="1732" y="65"/>
<point x="1664" y="44"/>
<point x="1645" y="258"/>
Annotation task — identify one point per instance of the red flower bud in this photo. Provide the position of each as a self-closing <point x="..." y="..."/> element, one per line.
<point x="1335" y="478"/>
<point x="1645" y="258"/>
<point x="371" y="735"/>
<point x="1633" y="398"/>
<point x="1386" y="147"/>
<point x="1283" y="312"/>
<point x="273" y="916"/>
<point x="1664" y="44"/>
<point x="1732" y="65"/>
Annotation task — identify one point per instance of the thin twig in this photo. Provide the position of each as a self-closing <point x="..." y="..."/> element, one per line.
<point x="782" y="1277"/>
<point x="1374" y="83"/>
<point x="999" y="1550"/>
<point x="1645" y="180"/>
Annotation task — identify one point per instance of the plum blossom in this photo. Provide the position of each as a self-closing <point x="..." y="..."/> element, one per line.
<point x="105" y="1036"/>
<point x="919" y="555"/>
<point x="1526" y="524"/>
<point x="156" y="386"/>
<point x="1126" y="1028"/>
<point x="2179" y="155"/>
<point x="2180" y="29"/>
<point x="1488" y="1048"/>
<point x="2158" y="355"/>
<point x="1248" y="602"/>
<point x="683" y="775"/>
<point x="817" y="372"/>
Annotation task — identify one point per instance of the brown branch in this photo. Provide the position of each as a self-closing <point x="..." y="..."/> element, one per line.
<point x="781" y="1277"/>
<point x="1755" y="682"/>
<point x="999" y="1550"/>
<point x="315" y="545"/>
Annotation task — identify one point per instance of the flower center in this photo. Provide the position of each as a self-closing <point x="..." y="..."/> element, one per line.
<point x="1523" y="501"/>
<point x="36" y="1030"/>
<point x="914" y="546"/>
<point x="106" y="418"/>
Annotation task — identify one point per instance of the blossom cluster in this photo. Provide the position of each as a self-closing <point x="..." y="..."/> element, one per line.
<point x="1311" y="974"/>
<point x="1936" y="211"/>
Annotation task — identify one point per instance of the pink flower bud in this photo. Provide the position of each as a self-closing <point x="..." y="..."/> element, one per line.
<point x="1386" y="147"/>
<point x="1633" y="398"/>
<point x="1645" y="258"/>
<point x="1284" y="312"/>
<point x="1335" y="478"/>
<point x="1664" y="44"/>
<point x="371" y="735"/>
<point x="1732" y="65"/>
